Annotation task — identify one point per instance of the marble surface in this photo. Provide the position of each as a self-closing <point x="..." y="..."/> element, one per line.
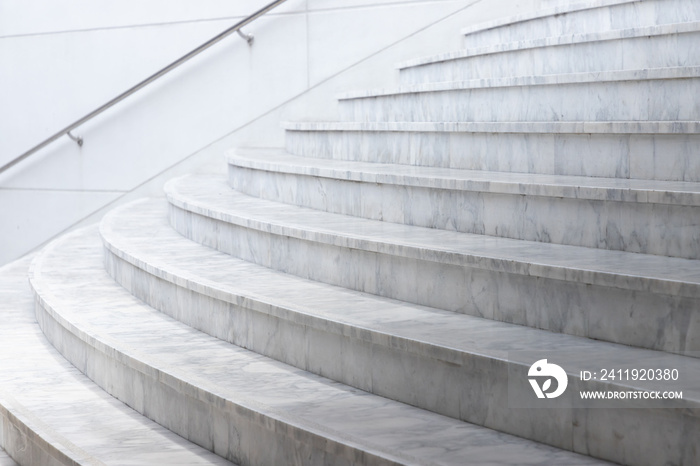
<point x="653" y="94"/>
<point x="5" y="460"/>
<point x="668" y="45"/>
<point x="562" y="186"/>
<point x="501" y="147"/>
<point x="542" y="13"/>
<point x="559" y="127"/>
<point x="257" y="410"/>
<point x="628" y="298"/>
<point x="211" y="196"/>
<point x="59" y="415"/>
<point x="383" y="346"/>
<point x="582" y="18"/>
<point x="649" y="217"/>
<point x="549" y="41"/>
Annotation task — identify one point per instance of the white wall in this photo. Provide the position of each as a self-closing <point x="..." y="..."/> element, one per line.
<point x="59" y="59"/>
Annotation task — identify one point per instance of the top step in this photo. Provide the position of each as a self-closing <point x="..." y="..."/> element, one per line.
<point x="657" y="46"/>
<point x="581" y="18"/>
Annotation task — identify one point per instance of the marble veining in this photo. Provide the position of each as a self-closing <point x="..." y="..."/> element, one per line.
<point x="147" y="242"/>
<point x="581" y="211"/>
<point x="213" y="198"/>
<point x="589" y="18"/>
<point x="275" y="401"/>
<point x="655" y="30"/>
<point x="65" y="410"/>
<point x="651" y="47"/>
<point x="5" y="460"/>
<point x="635" y="150"/>
<point x="574" y="187"/>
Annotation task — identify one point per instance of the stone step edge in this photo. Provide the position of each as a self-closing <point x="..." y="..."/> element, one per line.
<point x="539" y="14"/>
<point x="41" y="436"/>
<point x="177" y="378"/>
<point x="295" y="312"/>
<point x="588" y="77"/>
<point x="324" y="438"/>
<point x="541" y="127"/>
<point x="464" y="258"/>
<point x="562" y="186"/>
<point x="571" y="39"/>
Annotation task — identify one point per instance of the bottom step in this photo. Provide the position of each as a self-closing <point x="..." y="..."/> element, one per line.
<point x="240" y="404"/>
<point x="5" y="460"/>
<point x="51" y="414"/>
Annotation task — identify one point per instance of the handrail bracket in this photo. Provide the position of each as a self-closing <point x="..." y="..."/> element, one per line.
<point x="248" y="37"/>
<point x="77" y="139"/>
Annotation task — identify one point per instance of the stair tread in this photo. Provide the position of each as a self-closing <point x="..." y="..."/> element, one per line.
<point x="65" y="408"/>
<point x="588" y="77"/>
<point x="140" y="234"/>
<point x="213" y="371"/>
<point x="212" y="197"/>
<point x="540" y="13"/>
<point x="620" y="127"/>
<point x="568" y="39"/>
<point x="565" y="186"/>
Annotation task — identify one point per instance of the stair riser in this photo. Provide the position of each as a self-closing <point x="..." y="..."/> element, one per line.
<point x="233" y="431"/>
<point x="402" y="371"/>
<point x="637" y="318"/>
<point x="657" y="99"/>
<point x="644" y="156"/>
<point x="661" y="229"/>
<point x="25" y="446"/>
<point x="623" y="16"/>
<point x="621" y="54"/>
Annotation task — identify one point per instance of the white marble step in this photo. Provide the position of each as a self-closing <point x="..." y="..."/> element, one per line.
<point x="5" y="460"/>
<point x="580" y="18"/>
<point x="664" y="94"/>
<point x="51" y="414"/>
<point x="639" y="150"/>
<point x="649" y="217"/>
<point x="667" y="45"/>
<point x="413" y="354"/>
<point x="242" y="405"/>
<point x="635" y="299"/>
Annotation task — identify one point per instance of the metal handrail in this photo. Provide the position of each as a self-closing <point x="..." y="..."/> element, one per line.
<point x="66" y="131"/>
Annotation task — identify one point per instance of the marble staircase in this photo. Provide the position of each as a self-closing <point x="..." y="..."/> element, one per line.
<point x="375" y="292"/>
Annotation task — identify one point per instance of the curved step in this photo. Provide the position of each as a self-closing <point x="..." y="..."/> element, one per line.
<point x="51" y="414"/>
<point x="580" y="18"/>
<point x="667" y="45"/>
<point x="409" y="353"/>
<point x="664" y="94"/>
<point x="649" y="217"/>
<point x="638" y="150"/>
<point x="243" y="405"/>
<point x="635" y="299"/>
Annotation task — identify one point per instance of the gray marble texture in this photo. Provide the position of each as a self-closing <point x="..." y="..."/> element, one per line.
<point x="649" y="217"/>
<point x="636" y="150"/>
<point x="665" y="94"/>
<point x="580" y="18"/>
<point x="5" y="460"/>
<point x="238" y="403"/>
<point x="668" y="45"/>
<point x="51" y="414"/>
<point x="636" y="299"/>
<point x="413" y="354"/>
